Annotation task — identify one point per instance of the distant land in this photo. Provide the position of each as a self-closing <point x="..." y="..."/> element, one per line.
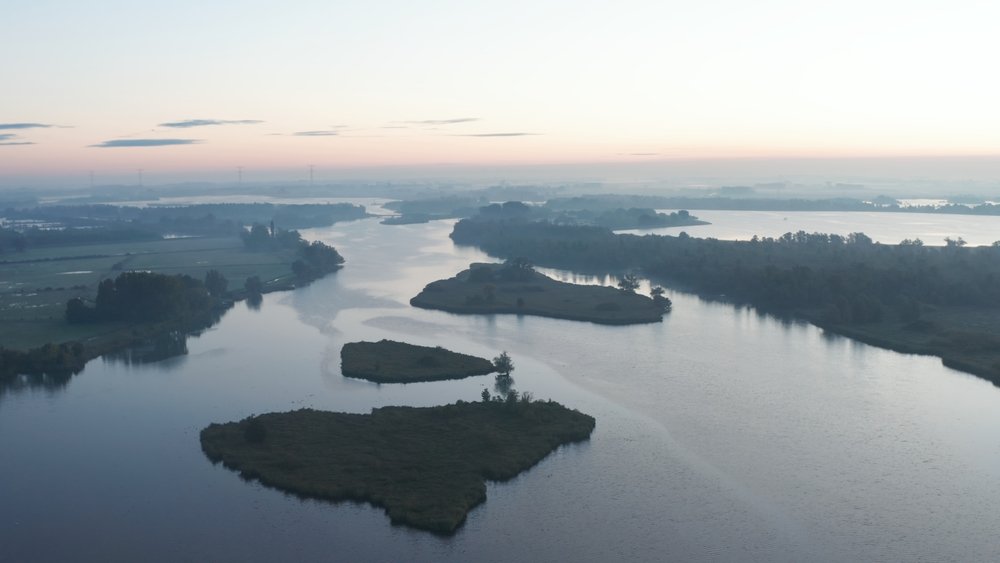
<point x="589" y="211"/>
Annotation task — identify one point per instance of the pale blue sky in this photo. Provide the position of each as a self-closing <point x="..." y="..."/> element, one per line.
<point x="520" y="82"/>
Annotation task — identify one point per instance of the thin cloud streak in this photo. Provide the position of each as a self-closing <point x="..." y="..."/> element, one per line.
<point x="451" y="121"/>
<point x="205" y="122"/>
<point x="323" y="133"/>
<point x="8" y="140"/>
<point x="25" y="125"/>
<point x="514" y="134"/>
<point x="117" y="143"/>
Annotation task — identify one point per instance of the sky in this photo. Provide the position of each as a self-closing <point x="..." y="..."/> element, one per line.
<point x="203" y="88"/>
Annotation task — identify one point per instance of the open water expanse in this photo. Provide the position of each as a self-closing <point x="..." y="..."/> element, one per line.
<point x="722" y="435"/>
<point x="884" y="227"/>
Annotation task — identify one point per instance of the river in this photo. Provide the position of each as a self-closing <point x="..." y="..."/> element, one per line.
<point x="721" y="434"/>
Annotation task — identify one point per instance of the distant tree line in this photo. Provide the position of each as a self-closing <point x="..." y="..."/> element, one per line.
<point x="849" y="279"/>
<point x="879" y="203"/>
<point x="90" y="224"/>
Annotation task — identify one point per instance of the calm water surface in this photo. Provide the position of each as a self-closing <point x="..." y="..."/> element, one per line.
<point x="721" y="435"/>
<point x="887" y="228"/>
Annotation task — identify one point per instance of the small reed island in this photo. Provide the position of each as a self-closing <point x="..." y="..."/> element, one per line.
<point x="515" y="287"/>
<point x="387" y="361"/>
<point x="425" y="466"/>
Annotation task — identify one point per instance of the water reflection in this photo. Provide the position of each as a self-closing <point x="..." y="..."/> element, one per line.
<point x="49" y="382"/>
<point x="150" y="350"/>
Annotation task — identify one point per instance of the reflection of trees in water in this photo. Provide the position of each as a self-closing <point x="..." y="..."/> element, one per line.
<point x="155" y="349"/>
<point x="49" y="382"/>
<point x="51" y="366"/>
<point x="503" y="384"/>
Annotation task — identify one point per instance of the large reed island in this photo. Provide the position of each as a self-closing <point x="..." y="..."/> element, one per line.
<point x="426" y="467"/>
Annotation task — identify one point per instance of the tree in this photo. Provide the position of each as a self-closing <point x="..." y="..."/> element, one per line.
<point x="628" y="283"/>
<point x="517" y="269"/>
<point x="253" y="285"/>
<point x="77" y="312"/>
<point x="485" y="395"/>
<point x="257" y="237"/>
<point x="215" y="283"/>
<point x="503" y="364"/>
<point x="301" y="269"/>
<point x="661" y="300"/>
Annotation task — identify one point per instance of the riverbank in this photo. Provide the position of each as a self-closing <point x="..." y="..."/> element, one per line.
<point x="426" y="467"/>
<point x="37" y="339"/>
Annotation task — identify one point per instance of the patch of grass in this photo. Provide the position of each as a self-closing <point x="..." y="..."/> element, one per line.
<point x="536" y="295"/>
<point x="426" y="466"/>
<point x="387" y="361"/>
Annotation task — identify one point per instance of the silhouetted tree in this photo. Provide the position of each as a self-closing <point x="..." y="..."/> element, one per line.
<point x="253" y="285"/>
<point x="257" y="237"/>
<point x="503" y="364"/>
<point x="628" y="283"/>
<point x="78" y="312"/>
<point x="661" y="300"/>
<point x="215" y="283"/>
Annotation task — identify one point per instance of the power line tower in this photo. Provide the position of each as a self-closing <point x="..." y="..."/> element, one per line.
<point x="239" y="175"/>
<point x="312" y="169"/>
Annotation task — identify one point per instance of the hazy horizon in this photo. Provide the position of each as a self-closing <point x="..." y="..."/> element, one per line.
<point x="640" y="91"/>
<point x="936" y="177"/>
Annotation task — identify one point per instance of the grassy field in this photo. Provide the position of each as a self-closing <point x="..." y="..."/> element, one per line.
<point x="35" y="285"/>
<point x="539" y="295"/>
<point x="387" y="361"/>
<point x="426" y="466"/>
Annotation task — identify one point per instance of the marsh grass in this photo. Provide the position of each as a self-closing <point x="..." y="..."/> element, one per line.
<point x="426" y="467"/>
<point x="387" y="361"/>
<point x="539" y="295"/>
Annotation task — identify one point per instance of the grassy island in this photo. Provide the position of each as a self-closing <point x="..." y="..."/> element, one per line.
<point x="516" y="288"/>
<point x="387" y="361"/>
<point x="425" y="466"/>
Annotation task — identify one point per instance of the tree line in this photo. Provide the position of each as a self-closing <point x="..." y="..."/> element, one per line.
<point x="851" y="279"/>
